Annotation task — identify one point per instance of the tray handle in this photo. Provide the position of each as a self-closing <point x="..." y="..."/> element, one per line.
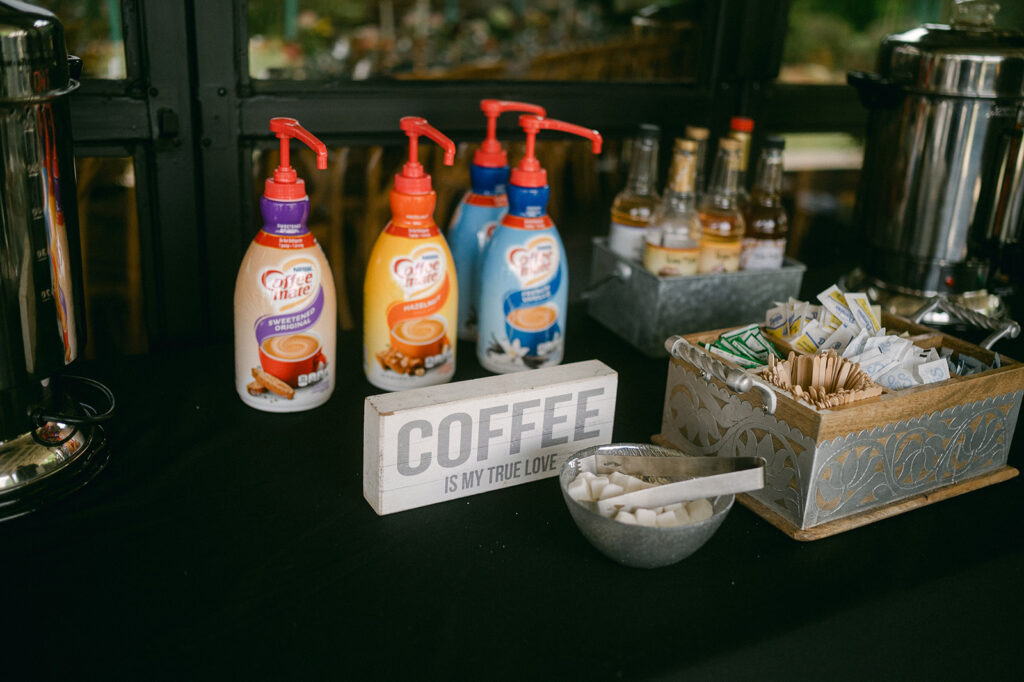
<point x="620" y="273"/>
<point x="999" y="328"/>
<point x="736" y="379"/>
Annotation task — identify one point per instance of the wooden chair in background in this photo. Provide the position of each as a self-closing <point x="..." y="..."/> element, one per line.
<point x="111" y="261"/>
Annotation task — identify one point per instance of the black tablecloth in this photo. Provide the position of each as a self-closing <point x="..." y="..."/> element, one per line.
<point x="222" y="542"/>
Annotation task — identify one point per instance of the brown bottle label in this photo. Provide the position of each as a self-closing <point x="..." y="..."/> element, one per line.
<point x="666" y="262"/>
<point x="762" y="254"/>
<point x="721" y="257"/>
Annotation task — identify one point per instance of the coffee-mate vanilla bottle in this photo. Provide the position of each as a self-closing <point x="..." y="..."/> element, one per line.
<point x="481" y="208"/>
<point x="524" y="283"/>
<point x="411" y="294"/>
<point x="285" y="312"/>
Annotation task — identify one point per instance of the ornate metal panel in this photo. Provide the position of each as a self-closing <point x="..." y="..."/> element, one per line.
<point x="810" y="484"/>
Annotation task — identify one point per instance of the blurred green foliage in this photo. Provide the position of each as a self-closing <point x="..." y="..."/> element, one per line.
<point x="827" y="38"/>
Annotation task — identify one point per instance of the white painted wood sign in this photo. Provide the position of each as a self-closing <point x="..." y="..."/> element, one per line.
<point x="440" y="443"/>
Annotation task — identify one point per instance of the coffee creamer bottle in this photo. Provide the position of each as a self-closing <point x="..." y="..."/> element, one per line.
<point x="481" y="209"/>
<point x="524" y="284"/>
<point x="410" y="296"/>
<point x="285" y="311"/>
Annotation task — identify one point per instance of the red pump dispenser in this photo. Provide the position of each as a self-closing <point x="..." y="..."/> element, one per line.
<point x="413" y="179"/>
<point x="741" y="124"/>
<point x="286" y="185"/>
<point x="529" y="173"/>
<point x="490" y="154"/>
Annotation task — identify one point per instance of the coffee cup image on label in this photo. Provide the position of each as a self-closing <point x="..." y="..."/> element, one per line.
<point x="295" y="359"/>
<point x="417" y="346"/>
<point x="420" y="337"/>
<point x="532" y="326"/>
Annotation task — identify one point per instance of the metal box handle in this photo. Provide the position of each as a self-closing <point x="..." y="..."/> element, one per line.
<point x="999" y="328"/>
<point x="736" y="379"/>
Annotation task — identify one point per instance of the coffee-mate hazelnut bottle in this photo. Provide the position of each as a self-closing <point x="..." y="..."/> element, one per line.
<point x="524" y="283"/>
<point x="410" y="296"/>
<point x="480" y="209"/>
<point x="285" y="310"/>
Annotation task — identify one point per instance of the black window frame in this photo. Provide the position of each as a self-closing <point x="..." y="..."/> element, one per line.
<point x="189" y="115"/>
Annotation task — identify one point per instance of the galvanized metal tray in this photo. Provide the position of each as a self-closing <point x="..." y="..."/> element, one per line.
<point x="645" y="309"/>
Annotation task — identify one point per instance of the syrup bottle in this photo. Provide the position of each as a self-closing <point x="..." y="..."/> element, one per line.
<point x="410" y="296"/>
<point x="699" y="135"/>
<point x="721" y="220"/>
<point x="524" y="284"/>
<point x="480" y="210"/>
<point x="673" y="235"/>
<point x="285" y="309"/>
<point x="764" y="245"/>
<point x="635" y="204"/>
<point x="741" y="128"/>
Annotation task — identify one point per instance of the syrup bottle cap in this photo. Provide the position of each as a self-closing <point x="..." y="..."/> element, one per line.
<point x="529" y="173"/>
<point x="741" y="124"/>
<point x="413" y="179"/>
<point x="286" y="185"/>
<point x="490" y="154"/>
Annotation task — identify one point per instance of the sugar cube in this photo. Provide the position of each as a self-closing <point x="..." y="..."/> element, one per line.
<point x="618" y="478"/>
<point x="666" y="519"/>
<point x="626" y="517"/>
<point x="628" y="483"/>
<point x="646" y="517"/>
<point x="699" y="510"/>
<point x="578" y="489"/>
<point x="611" y="490"/>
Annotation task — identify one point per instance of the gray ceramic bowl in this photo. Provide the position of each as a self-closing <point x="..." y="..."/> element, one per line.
<point x="638" y="546"/>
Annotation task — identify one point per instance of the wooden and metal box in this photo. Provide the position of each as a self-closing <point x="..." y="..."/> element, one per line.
<point x="830" y="470"/>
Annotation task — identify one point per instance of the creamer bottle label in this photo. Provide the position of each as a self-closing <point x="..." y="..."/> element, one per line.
<point x="281" y="361"/>
<point x="284" y="315"/>
<point x="411" y="316"/>
<point x="531" y="329"/>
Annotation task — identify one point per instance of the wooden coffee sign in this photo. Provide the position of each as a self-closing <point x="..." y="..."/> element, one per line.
<point x="439" y="443"/>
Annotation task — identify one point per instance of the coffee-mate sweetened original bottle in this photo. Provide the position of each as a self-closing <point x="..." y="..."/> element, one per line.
<point x="411" y="294"/>
<point x="480" y="210"/>
<point x="524" y="284"/>
<point x="285" y="311"/>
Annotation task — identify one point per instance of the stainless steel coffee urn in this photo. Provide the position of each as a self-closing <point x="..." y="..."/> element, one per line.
<point x="942" y="191"/>
<point x="46" y="437"/>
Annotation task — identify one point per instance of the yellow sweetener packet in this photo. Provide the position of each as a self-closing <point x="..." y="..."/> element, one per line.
<point x="860" y="306"/>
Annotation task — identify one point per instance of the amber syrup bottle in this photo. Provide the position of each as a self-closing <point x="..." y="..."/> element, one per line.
<point x="635" y="204"/>
<point x="764" y="245"/>
<point x="721" y="220"/>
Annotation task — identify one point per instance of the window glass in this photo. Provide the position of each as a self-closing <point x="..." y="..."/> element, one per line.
<point x="827" y="38"/>
<point x="111" y="256"/>
<point x="820" y="192"/>
<point x="452" y="39"/>
<point x="92" y="31"/>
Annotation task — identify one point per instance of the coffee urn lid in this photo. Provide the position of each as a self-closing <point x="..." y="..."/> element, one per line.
<point x="33" y="56"/>
<point x="968" y="58"/>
